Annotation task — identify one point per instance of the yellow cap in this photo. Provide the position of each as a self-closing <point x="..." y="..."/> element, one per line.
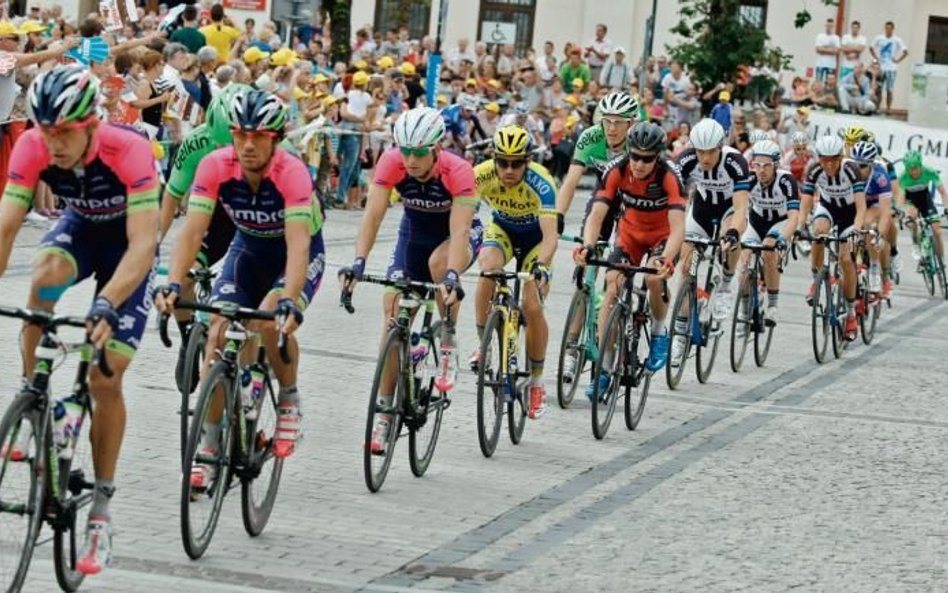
<point x="329" y="101"/>
<point x="252" y="55"/>
<point x="320" y="78"/>
<point x="724" y="96"/>
<point x="493" y="107"/>
<point x="441" y="100"/>
<point x="284" y="57"/>
<point x="571" y="100"/>
<point x="360" y="78"/>
<point x="32" y="27"/>
<point x="385" y="62"/>
<point x="470" y="82"/>
<point x="299" y="93"/>
<point x="493" y="82"/>
<point x="803" y="110"/>
<point x="407" y="68"/>
<point x="578" y="83"/>
<point x="8" y="29"/>
<point x="571" y="120"/>
<point x="362" y="65"/>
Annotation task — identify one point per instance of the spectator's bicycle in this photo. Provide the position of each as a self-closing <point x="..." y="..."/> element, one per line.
<point x="247" y="421"/>
<point x="748" y="316"/>
<point x="46" y="470"/>
<point x="409" y="361"/>
<point x="623" y="350"/>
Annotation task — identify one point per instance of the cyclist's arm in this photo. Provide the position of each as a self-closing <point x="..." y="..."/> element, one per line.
<point x="565" y="196"/>
<point x="169" y="207"/>
<point x="462" y="215"/>
<point x="12" y="213"/>
<point x="201" y="204"/>
<point x="297" y="257"/>
<point x="737" y="168"/>
<point x="676" y="216"/>
<point x="600" y="206"/>
<point x="739" y="219"/>
<point x="297" y="189"/>
<point x="860" y="199"/>
<point x="18" y="192"/>
<point x="376" y="204"/>
<point x="943" y="193"/>
<point x="792" y="192"/>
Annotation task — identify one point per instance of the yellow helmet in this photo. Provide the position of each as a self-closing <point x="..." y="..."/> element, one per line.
<point x="511" y="141"/>
<point x="853" y="134"/>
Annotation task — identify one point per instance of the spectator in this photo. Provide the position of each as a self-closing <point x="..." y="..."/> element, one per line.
<point x="616" y="73"/>
<point x="148" y="98"/>
<point x="529" y="87"/>
<point x="505" y="62"/>
<point x="852" y="46"/>
<point x="687" y="108"/>
<point x="364" y="48"/>
<point x="827" y="48"/>
<point x="461" y="52"/>
<point x="207" y="62"/>
<point x="723" y="111"/>
<point x="257" y="62"/>
<point x="827" y="94"/>
<point x="220" y="34"/>
<point x="675" y="83"/>
<point x="490" y="118"/>
<point x="798" y="122"/>
<point x="188" y="34"/>
<point x="353" y="113"/>
<point x="574" y="68"/>
<point x="889" y="49"/>
<point x="598" y="51"/>
<point x="857" y="92"/>
<point x="223" y="75"/>
<point x="391" y="47"/>
<point x="682" y="141"/>
<point x="801" y="94"/>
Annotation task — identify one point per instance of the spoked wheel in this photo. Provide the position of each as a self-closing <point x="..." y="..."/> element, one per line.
<point x="742" y="324"/>
<point x="193" y="360"/>
<point x="263" y="470"/>
<point x="867" y="322"/>
<point x="490" y="385"/>
<point x="839" y="329"/>
<point x="820" y="324"/>
<point x="707" y="348"/>
<point x="927" y="275"/>
<point x="572" y="347"/>
<point x="384" y="412"/>
<point x="940" y="274"/>
<point x="518" y="406"/>
<point x="683" y="301"/>
<point x="762" y="338"/>
<point x="76" y="482"/>
<point x="207" y="476"/>
<point x="22" y="488"/>
<point x="637" y="378"/>
<point x="610" y="363"/>
<point x="423" y="432"/>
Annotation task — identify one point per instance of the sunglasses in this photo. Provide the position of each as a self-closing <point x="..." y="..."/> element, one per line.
<point x="419" y="152"/>
<point x="643" y="158"/>
<point x="864" y="165"/>
<point x="250" y="134"/>
<point x="509" y="163"/>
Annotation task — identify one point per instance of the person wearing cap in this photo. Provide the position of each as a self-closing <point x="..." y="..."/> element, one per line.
<point x="353" y="115"/>
<point x="397" y="94"/>
<point x="284" y="57"/>
<point x="489" y="117"/>
<point x="385" y="63"/>
<point x="722" y="112"/>
<point x="616" y="74"/>
<point x="574" y="68"/>
<point x="256" y="60"/>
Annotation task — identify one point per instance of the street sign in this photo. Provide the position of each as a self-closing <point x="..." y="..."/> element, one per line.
<point x="498" y="32"/>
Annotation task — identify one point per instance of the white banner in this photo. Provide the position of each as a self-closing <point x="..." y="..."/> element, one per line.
<point x="896" y="137"/>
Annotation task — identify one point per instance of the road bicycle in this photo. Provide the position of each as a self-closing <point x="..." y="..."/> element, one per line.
<point x="748" y="317"/>
<point x="828" y="305"/>
<point x="930" y="265"/>
<point x="409" y="361"/>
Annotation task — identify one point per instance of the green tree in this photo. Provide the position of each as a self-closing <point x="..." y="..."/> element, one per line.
<point x="339" y="14"/>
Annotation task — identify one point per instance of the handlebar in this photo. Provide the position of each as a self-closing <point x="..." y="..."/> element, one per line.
<point x="627" y="269"/>
<point x="403" y="285"/>
<point x="48" y="321"/>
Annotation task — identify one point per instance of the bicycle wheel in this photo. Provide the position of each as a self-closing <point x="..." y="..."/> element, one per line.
<point x="490" y="385"/>
<point x="193" y="359"/>
<point x="518" y="405"/>
<point x="76" y="484"/>
<point x="711" y="332"/>
<point x="839" y="327"/>
<point x="820" y="317"/>
<point x="927" y="275"/>
<point x="742" y="323"/>
<point x="867" y="322"/>
<point x="423" y="431"/>
<point x="637" y="377"/>
<point x="201" y="503"/>
<point x="940" y="274"/>
<point x="262" y="469"/>
<point x="684" y="299"/>
<point x="390" y="368"/>
<point x="572" y="344"/>
<point x="764" y="337"/>
<point x="22" y="487"/>
<point x="610" y="363"/>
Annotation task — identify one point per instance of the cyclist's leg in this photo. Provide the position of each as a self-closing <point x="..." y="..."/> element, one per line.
<point x="213" y="248"/>
<point x="496" y="251"/>
<point x="732" y="258"/>
<point x="822" y="222"/>
<point x="438" y="262"/>
<point x="537" y="329"/>
<point x="873" y="215"/>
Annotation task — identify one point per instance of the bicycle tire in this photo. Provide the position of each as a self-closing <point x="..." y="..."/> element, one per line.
<point x="611" y="340"/>
<point x="77" y="481"/>
<point x="489" y="376"/>
<point x="259" y="455"/>
<point x="839" y="329"/>
<point x="577" y="308"/>
<point x="819" y="317"/>
<point x="421" y="446"/>
<point x="940" y="272"/>
<point x="710" y="338"/>
<point x="763" y="338"/>
<point x="32" y="470"/>
<point x="867" y="322"/>
<point x="375" y="477"/>
<point x="927" y="275"/>
<point x="638" y="377"/>
<point x="196" y="543"/>
<point x="673" y="375"/>
<point x="194" y="355"/>
<point x="517" y="422"/>
<point x="741" y="316"/>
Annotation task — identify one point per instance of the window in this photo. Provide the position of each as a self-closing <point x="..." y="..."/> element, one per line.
<point x="520" y="13"/>
<point x="754" y="13"/>
<point x="396" y="13"/>
<point x="936" y="50"/>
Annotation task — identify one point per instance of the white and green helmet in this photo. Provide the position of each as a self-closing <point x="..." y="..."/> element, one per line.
<point x="620" y="104"/>
<point x="420" y="127"/>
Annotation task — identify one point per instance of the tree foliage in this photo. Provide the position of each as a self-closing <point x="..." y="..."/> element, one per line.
<point x="339" y="13"/>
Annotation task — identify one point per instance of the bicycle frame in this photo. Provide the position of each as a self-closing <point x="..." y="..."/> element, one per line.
<point x="698" y="255"/>
<point x="408" y="303"/>
<point x="830" y="267"/>
<point x="507" y="302"/>
<point x="588" y="285"/>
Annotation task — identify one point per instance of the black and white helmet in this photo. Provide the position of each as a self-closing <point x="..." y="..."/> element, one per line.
<point x="420" y="127"/>
<point x="707" y="135"/>
<point x="64" y="94"/>
<point x="828" y="145"/>
<point x="864" y="152"/>
<point x="620" y="104"/>
<point x="257" y="111"/>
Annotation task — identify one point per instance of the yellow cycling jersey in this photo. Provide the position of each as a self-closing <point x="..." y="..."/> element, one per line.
<point x="520" y="207"/>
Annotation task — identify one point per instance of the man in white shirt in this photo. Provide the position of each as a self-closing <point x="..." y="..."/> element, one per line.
<point x="889" y="50"/>
<point x="674" y="83"/>
<point x="461" y="52"/>
<point x="617" y="73"/>
<point x="827" y="48"/>
<point x="853" y="44"/>
<point x="598" y="51"/>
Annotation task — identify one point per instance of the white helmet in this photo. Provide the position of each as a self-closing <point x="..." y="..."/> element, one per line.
<point x="619" y="103"/>
<point x="767" y="148"/>
<point x="756" y="136"/>
<point x="419" y="128"/>
<point x="707" y="135"/>
<point x="828" y="146"/>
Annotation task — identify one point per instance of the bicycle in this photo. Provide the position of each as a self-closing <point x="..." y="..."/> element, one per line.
<point x="930" y="265"/>
<point x="409" y="360"/>
<point x="702" y="330"/>
<point x="748" y="316"/>
<point x="868" y="303"/>
<point x="620" y="357"/>
<point x="503" y="348"/>
<point x="247" y="427"/>
<point x="56" y="478"/>
<point x="580" y="332"/>
<point x="828" y="302"/>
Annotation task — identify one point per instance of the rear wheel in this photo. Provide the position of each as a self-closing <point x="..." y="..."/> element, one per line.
<point x="637" y="378"/>
<point x="762" y="338"/>
<point x="517" y="406"/>
<point x="76" y="483"/>
<point x="22" y="488"/>
<point x="611" y="362"/>
<point x="258" y="490"/>
<point x="940" y="274"/>
<point x="742" y="323"/>
<point x="423" y="431"/>
<point x="711" y="332"/>
<point x="572" y="346"/>
<point x="193" y="361"/>
<point x="839" y="328"/>
<point x="683" y="301"/>
<point x="490" y="385"/>
<point x="927" y="272"/>
<point x="820" y="325"/>
<point x="388" y="370"/>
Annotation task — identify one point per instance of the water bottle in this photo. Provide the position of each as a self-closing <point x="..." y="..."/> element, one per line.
<point x="67" y="421"/>
<point x="420" y="346"/>
<point x="251" y="390"/>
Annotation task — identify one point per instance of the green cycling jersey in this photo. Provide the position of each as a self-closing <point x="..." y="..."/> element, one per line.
<point x="592" y="150"/>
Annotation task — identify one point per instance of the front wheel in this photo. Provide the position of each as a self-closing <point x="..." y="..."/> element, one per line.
<point x="742" y="323"/>
<point x="518" y="405"/>
<point x="423" y="431"/>
<point x="684" y="300"/>
<point x="572" y="347"/>
<point x="711" y="331"/>
<point x="193" y="360"/>
<point x="820" y="322"/>
<point x="491" y="385"/>
<point x="637" y="377"/>
<point x="839" y="327"/>
<point x="384" y="412"/>
<point x="610" y="364"/>
<point x="258" y="490"/>
<point x="940" y="274"/>
<point x="76" y="483"/>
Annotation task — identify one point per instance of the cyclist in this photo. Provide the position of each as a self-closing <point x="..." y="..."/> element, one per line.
<point x="842" y="204"/>
<point x="107" y="178"/>
<point x="204" y="139"/>
<point x="438" y="236"/>
<point x="917" y="185"/>
<point x="522" y="197"/>
<point x="275" y="261"/>
<point x="652" y="226"/>
<point x="721" y="178"/>
<point x="520" y="116"/>
<point x="878" y="208"/>
<point x="799" y="157"/>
